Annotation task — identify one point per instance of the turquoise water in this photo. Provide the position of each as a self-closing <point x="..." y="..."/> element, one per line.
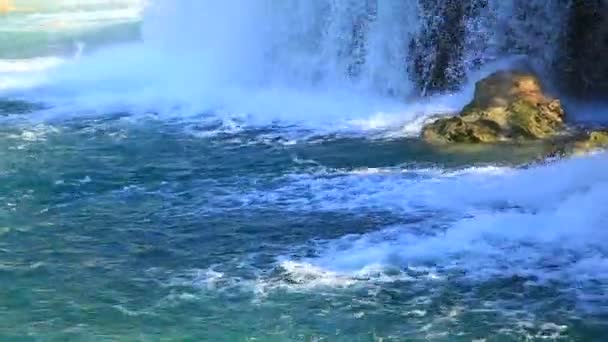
<point x="141" y="226"/>
<point x="122" y="229"/>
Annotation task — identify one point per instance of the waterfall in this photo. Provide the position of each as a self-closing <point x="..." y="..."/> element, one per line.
<point x="304" y="43"/>
<point x="312" y="56"/>
<point x="390" y="47"/>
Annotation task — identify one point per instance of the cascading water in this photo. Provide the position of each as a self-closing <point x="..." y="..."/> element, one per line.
<point x="379" y="49"/>
<point x="380" y="45"/>
<point x="300" y="43"/>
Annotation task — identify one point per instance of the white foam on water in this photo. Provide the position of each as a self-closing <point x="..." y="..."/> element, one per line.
<point x="544" y="222"/>
<point x="92" y="86"/>
<point x="18" y="75"/>
<point x="28" y="65"/>
<point x="483" y="222"/>
<point x="399" y="189"/>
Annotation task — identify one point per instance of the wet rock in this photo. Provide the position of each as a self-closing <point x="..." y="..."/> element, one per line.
<point x="590" y="142"/>
<point x="507" y="106"/>
<point x="579" y="143"/>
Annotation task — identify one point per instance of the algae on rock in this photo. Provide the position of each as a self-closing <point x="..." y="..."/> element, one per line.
<point x="592" y="141"/>
<point x="507" y="106"/>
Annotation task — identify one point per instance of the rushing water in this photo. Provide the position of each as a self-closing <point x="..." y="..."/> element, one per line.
<point x="147" y="196"/>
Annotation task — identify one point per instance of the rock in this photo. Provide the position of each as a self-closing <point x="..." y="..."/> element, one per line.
<point x="459" y="130"/>
<point x="579" y="143"/>
<point x="590" y="142"/>
<point x="507" y="106"/>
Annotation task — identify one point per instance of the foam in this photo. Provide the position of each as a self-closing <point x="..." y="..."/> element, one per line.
<point x="28" y="65"/>
<point x="543" y="222"/>
<point x="475" y="224"/>
<point x="399" y="189"/>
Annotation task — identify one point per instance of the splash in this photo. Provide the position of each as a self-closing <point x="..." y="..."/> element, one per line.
<point x="321" y="64"/>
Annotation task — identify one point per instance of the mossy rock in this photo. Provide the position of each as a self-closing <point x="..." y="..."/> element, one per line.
<point x="527" y="120"/>
<point x="593" y="141"/>
<point x="455" y="129"/>
<point x="579" y="143"/>
<point x="508" y="106"/>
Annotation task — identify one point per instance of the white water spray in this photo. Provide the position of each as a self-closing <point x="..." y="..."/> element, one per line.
<point x="344" y="64"/>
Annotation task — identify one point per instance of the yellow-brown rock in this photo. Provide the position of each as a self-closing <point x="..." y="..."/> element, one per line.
<point x="507" y="106"/>
<point x="590" y="142"/>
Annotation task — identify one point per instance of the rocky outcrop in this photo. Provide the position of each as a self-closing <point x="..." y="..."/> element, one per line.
<point x="507" y="106"/>
<point x="577" y="143"/>
<point x="588" y="142"/>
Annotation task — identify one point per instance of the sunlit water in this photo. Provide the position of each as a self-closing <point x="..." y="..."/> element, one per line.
<point x="135" y="218"/>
